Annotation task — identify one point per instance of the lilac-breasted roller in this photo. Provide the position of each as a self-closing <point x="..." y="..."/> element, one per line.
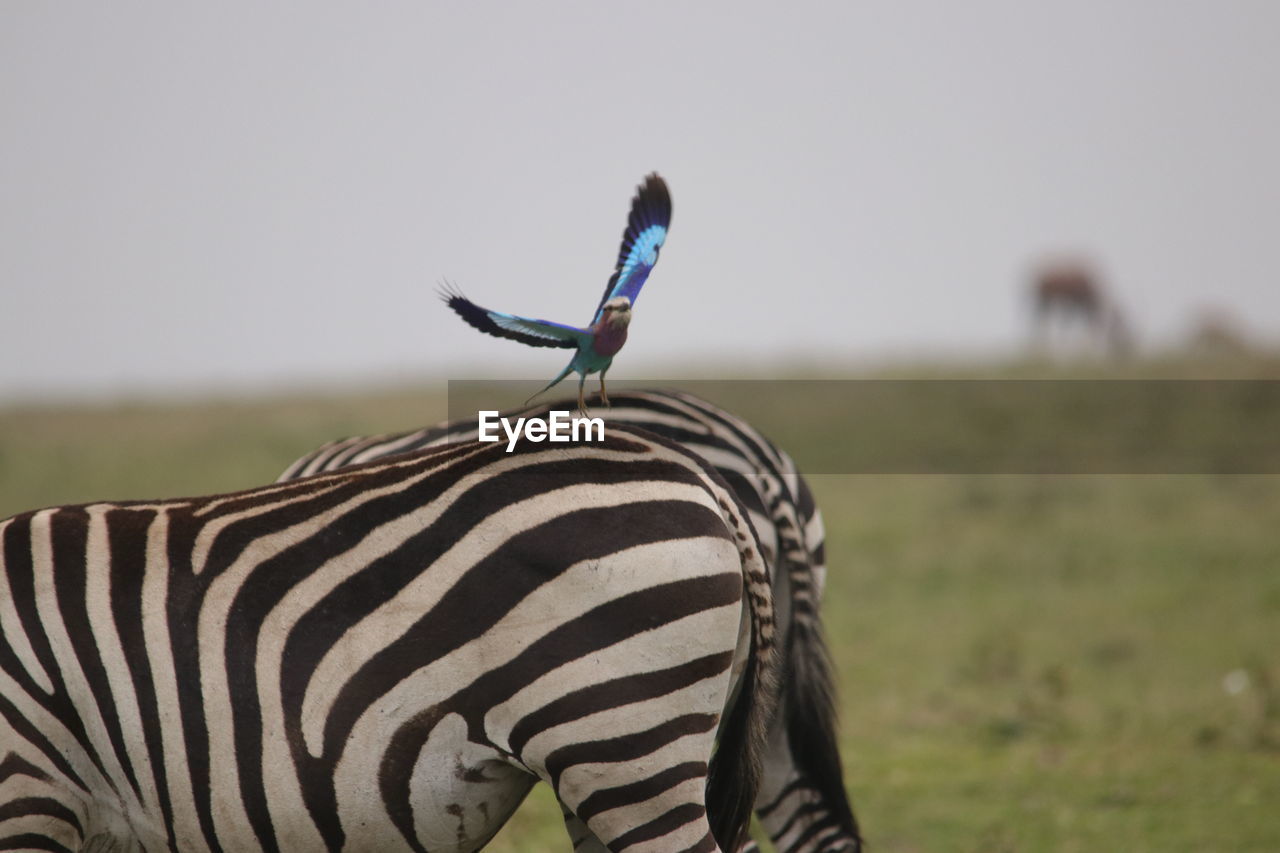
<point x="599" y="342"/>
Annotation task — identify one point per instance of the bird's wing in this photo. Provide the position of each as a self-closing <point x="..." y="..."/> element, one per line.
<point x="535" y="333"/>
<point x="641" y="241"/>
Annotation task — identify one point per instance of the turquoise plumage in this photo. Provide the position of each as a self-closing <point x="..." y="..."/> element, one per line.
<point x="598" y="343"/>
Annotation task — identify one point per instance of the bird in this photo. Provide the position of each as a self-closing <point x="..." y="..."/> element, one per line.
<point x="599" y="342"/>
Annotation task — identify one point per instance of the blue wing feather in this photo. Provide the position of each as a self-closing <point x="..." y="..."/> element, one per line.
<point x="548" y="330"/>
<point x="535" y="333"/>
<point x="642" y="241"/>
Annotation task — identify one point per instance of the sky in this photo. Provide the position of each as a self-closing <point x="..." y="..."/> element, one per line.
<point x="238" y="197"/>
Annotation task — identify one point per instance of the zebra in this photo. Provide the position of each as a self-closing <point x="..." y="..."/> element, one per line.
<point x="802" y="803"/>
<point x="390" y="656"/>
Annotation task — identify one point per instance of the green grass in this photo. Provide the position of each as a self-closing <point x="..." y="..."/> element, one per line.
<point x="1037" y="663"/>
<point x="1026" y="662"/>
<point x="52" y="455"/>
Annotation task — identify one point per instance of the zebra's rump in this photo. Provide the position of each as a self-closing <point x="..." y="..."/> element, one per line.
<point x="803" y="795"/>
<point x="379" y="658"/>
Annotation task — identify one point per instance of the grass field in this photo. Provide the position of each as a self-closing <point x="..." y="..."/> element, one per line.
<point x="1026" y="662"/>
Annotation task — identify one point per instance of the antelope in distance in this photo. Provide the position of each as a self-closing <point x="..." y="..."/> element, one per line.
<point x="1067" y="294"/>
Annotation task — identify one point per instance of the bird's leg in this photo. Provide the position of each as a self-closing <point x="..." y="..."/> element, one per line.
<point x="604" y="395"/>
<point x="582" y="403"/>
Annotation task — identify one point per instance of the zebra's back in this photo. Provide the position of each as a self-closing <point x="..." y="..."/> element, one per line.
<point x="802" y="801"/>
<point x="387" y="657"/>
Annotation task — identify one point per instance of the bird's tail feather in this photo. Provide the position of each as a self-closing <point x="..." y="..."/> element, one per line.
<point x="567" y="370"/>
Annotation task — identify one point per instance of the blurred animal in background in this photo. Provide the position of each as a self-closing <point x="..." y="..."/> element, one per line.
<point x="1217" y="333"/>
<point x="1072" y="310"/>
<point x="599" y="342"/>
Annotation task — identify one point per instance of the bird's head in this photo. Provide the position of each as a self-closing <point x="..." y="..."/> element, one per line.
<point x="617" y="311"/>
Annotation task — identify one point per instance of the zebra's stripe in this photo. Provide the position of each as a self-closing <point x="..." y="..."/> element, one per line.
<point x="765" y="479"/>
<point x="264" y="670"/>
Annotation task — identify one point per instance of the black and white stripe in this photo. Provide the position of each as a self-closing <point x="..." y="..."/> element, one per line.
<point x="389" y="657"/>
<point x="802" y="802"/>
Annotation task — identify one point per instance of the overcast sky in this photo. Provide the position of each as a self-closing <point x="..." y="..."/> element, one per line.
<point x="234" y="197"/>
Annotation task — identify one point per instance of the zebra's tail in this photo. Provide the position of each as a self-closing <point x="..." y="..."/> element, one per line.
<point x="809" y="692"/>
<point x="735" y="771"/>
